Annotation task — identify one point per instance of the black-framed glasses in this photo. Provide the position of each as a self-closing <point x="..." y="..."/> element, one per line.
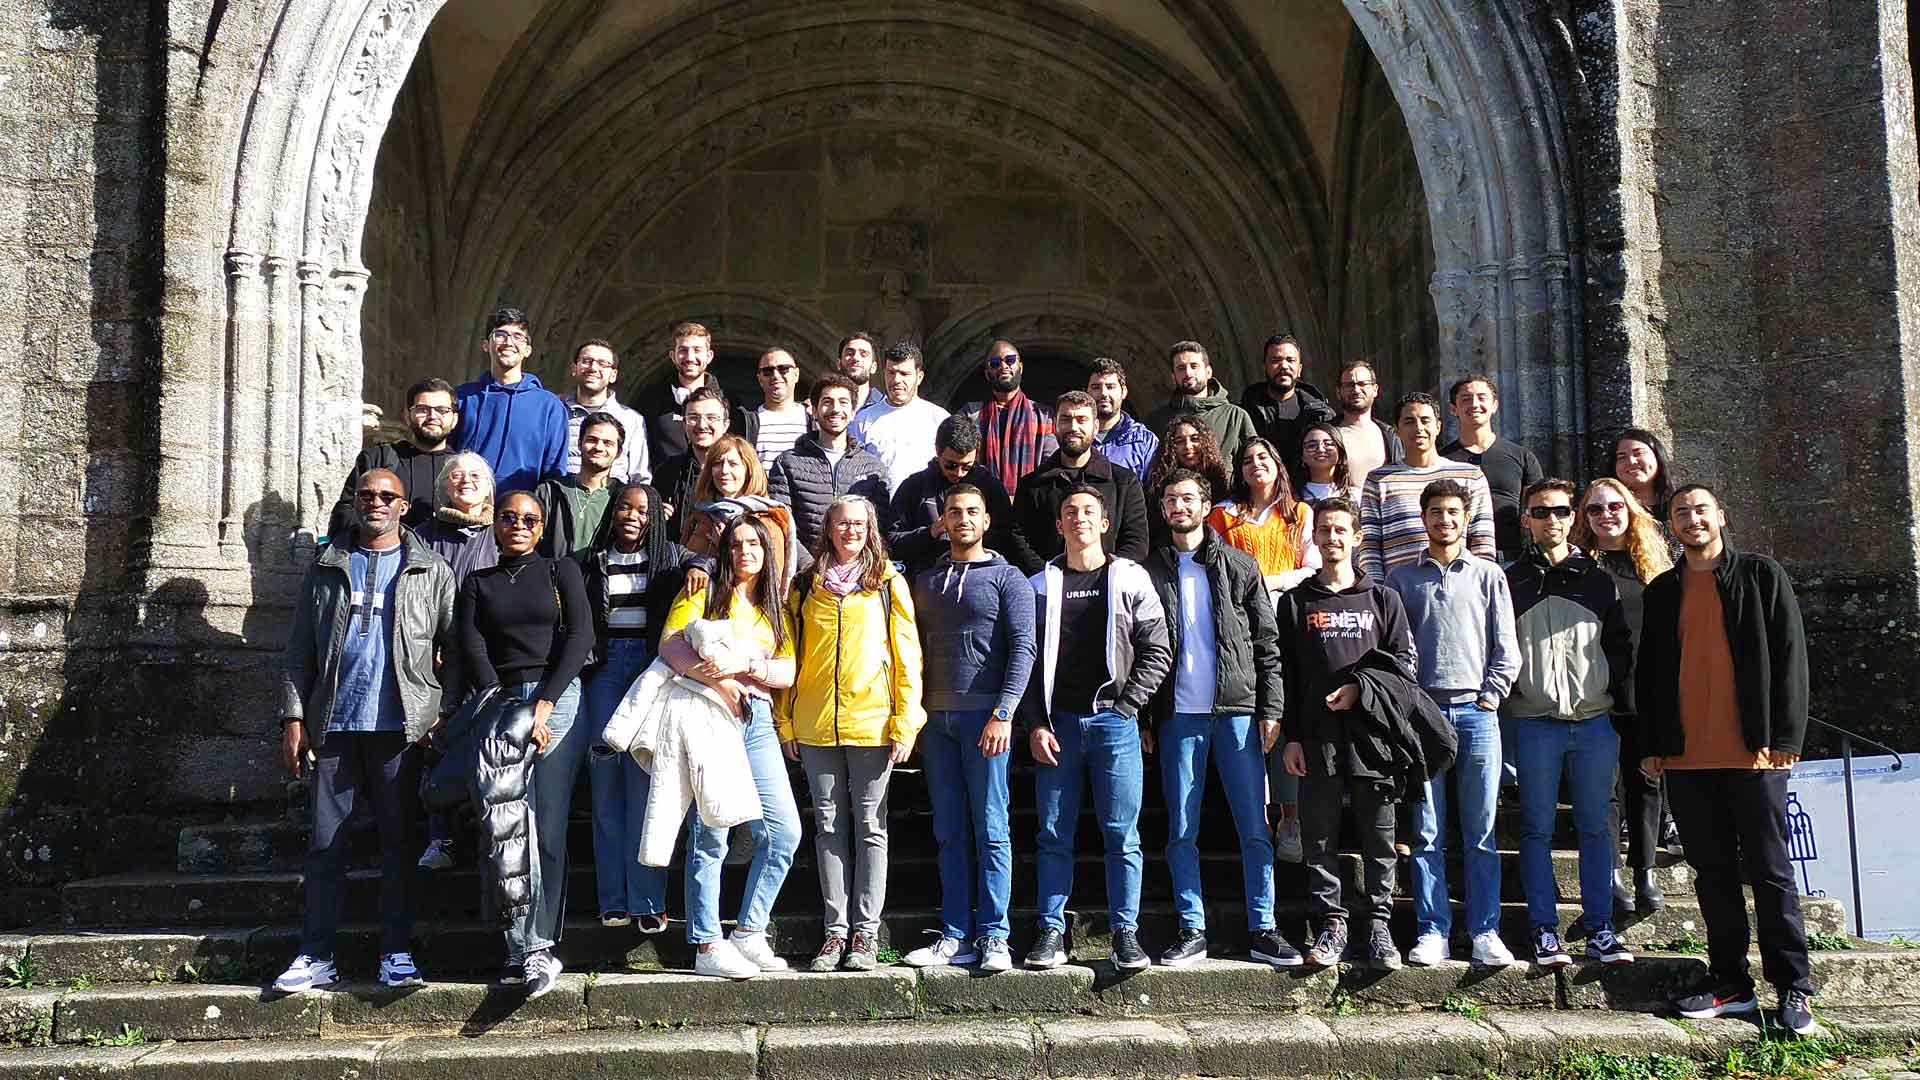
<point x="596" y="362"/>
<point x="1542" y="513"/>
<point x="1356" y="384"/>
<point x="782" y="370"/>
<point x="952" y="466"/>
<point x="509" y="518"/>
<point x="509" y="335"/>
<point x="432" y="410"/>
<point x="384" y="498"/>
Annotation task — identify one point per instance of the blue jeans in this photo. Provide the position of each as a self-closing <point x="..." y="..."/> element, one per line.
<point x="620" y="789"/>
<point x="1105" y="746"/>
<point x="554" y="773"/>
<point x="969" y="824"/>
<point x="1474" y="780"/>
<point x="776" y="837"/>
<point x="1185" y="742"/>
<point x="1588" y="752"/>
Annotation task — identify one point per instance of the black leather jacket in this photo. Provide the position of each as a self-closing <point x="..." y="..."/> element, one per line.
<point x="422" y="622"/>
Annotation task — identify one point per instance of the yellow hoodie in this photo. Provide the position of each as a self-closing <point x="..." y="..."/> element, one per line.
<point x="853" y="687"/>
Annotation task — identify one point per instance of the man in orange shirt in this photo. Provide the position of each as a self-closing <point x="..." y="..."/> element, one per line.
<point x="1723" y="702"/>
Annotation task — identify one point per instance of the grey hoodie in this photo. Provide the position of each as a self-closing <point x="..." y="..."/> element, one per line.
<point x="976" y="634"/>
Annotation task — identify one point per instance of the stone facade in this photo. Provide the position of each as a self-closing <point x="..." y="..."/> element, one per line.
<point x="1612" y="204"/>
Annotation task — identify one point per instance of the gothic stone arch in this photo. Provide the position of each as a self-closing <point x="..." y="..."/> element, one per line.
<point x="266" y="414"/>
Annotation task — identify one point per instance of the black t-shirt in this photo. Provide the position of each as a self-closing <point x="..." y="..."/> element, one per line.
<point x="1510" y="467"/>
<point x="1081" y="669"/>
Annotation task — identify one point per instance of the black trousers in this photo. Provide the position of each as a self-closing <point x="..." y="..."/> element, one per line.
<point x="1373" y="817"/>
<point x="1638" y="800"/>
<point x="382" y="770"/>
<point x="1729" y="818"/>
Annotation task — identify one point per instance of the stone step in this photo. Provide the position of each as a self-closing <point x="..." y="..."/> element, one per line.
<point x="913" y="881"/>
<point x="1498" y="1040"/>
<point x="464" y="945"/>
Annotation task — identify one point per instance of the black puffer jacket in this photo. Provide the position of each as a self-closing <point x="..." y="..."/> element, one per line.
<point x="502" y="792"/>
<point x="807" y="482"/>
<point x="916" y="506"/>
<point x="1245" y="640"/>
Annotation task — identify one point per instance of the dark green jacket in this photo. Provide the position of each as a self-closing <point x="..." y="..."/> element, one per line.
<point x="560" y="504"/>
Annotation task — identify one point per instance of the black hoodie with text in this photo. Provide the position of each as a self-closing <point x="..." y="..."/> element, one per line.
<point x="1323" y="633"/>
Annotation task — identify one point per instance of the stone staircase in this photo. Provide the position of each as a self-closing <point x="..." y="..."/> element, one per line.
<point x="171" y="963"/>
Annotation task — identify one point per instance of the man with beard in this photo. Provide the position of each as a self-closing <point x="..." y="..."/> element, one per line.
<point x="664" y="405"/>
<point x="704" y="423"/>
<point x="1369" y="441"/>
<point x="596" y="370"/>
<point x="1127" y="442"/>
<point x="578" y="507"/>
<point x="1283" y="407"/>
<point x="431" y="418"/>
<point x="858" y="357"/>
<point x="1015" y="432"/>
<point x="1036" y="504"/>
<point x="506" y="415"/>
<point x="1196" y="391"/>
<point x="899" y="427"/>
<point x="1722" y="698"/>
<point x="919" y="535"/>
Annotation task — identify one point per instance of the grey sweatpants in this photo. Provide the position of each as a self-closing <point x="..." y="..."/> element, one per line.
<point x="849" y="786"/>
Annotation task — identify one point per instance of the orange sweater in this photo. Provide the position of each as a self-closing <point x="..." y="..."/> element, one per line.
<point x="1276" y="544"/>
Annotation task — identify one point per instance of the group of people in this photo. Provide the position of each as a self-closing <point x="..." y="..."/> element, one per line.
<point x="1330" y="610"/>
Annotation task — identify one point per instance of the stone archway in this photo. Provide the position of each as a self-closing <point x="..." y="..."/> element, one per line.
<point x="294" y="191"/>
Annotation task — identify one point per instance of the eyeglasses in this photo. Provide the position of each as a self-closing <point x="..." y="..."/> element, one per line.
<point x="1180" y="499"/>
<point x="594" y="362"/>
<point x="949" y="465"/>
<point x="510" y="335"/>
<point x="509" y="518"/>
<point x="384" y="498"/>
<point x="432" y="410"/>
<point x="1356" y="384"/>
<point x="1597" y="509"/>
<point x="1542" y="513"/>
<point x="1007" y="360"/>
<point x="781" y="370"/>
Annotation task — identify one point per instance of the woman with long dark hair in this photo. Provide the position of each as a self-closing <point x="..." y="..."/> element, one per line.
<point x="525" y="627"/>
<point x="1640" y="461"/>
<point x="631" y="582"/>
<point x="1190" y="444"/>
<point x="748" y="596"/>
<point x="1324" y="455"/>
<point x="852" y="715"/>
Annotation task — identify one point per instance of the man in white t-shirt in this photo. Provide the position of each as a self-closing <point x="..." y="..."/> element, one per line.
<point x="781" y="420"/>
<point x="899" y="428"/>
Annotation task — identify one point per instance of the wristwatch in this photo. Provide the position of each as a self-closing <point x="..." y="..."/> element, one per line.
<point x="1001" y="715"/>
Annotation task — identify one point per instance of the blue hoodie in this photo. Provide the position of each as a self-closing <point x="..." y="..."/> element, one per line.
<point x="977" y="634"/>
<point x="521" y="429"/>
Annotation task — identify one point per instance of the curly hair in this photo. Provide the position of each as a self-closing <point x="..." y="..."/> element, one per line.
<point x="1211" y="465"/>
<point x="1645" y="543"/>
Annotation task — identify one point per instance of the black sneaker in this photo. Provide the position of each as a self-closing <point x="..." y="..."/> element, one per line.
<point x="1796" y="1015"/>
<point x="1548" y="952"/>
<point x="1381" y="953"/>
<point x="1049" y="949"/>
<point x="1670" y="838"/>
<point x="1127" y="954"/>
<point x="513" y="972"/>
<point x="1603" y="945"/>
<point x="1188" y="945"/>
<point x="1329" y="945"/>
<point x="1270" y="948"/>
<point x="1717" y="1003"/>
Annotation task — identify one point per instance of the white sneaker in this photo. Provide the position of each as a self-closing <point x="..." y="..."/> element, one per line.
<point x="1431" y="949"/>
<point x="1286" y="842"/>
<point x="306" y="973"/>
<point x="724" y="961"/>
<point x="943" y="952"/>
<point x="437" y="857"/>
<point x="397" y="969"/>
<point x="994" y="954"/>
<point x="1490" y="951"/>
<point x="754" y="947"/>
<point x="543" y="973"/>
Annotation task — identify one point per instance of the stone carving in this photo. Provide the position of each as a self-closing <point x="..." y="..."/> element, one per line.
<point x="892" y="245"/>
<point x="893" y="314"/>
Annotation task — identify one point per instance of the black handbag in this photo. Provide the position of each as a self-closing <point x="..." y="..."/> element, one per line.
<point x="448" y="783"/>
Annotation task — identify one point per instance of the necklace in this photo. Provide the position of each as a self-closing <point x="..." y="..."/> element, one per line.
<point x="513" y="572"/>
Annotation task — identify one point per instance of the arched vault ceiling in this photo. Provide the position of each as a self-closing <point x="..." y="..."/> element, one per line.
<point x="575" y="173"/>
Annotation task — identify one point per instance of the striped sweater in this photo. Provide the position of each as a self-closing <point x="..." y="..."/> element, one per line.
<point x="1391" y="532"/>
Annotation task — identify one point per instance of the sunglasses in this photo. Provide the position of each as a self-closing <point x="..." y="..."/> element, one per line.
<point x="947" y="465"/>
<point x="1008" y="360"/>
<point x="384" y="498"/>
<point x="509" y="518"/>
<point x="1542" y="513"/>
<point x="1597" y="509"/>
<point x="782" y="370"/>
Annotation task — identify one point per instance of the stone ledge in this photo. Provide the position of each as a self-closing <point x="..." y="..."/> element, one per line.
<point x="672" y="999"/>
<point x="960" y="1049"/>
<point x="720" y="1053"/>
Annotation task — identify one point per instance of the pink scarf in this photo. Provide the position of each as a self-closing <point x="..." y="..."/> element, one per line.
<point x="842" y="579"/>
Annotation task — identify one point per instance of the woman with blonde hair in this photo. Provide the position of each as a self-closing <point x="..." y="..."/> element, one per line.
<point x="1628" y="543"/>
<point x="732" y="482"/>
<point x="852" y="714"/>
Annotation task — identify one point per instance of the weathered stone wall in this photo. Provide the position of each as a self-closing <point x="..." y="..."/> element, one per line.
<point x="1380" y="300"/>
<point x="1760" y="243"/>
<point x="405" y="240"/>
